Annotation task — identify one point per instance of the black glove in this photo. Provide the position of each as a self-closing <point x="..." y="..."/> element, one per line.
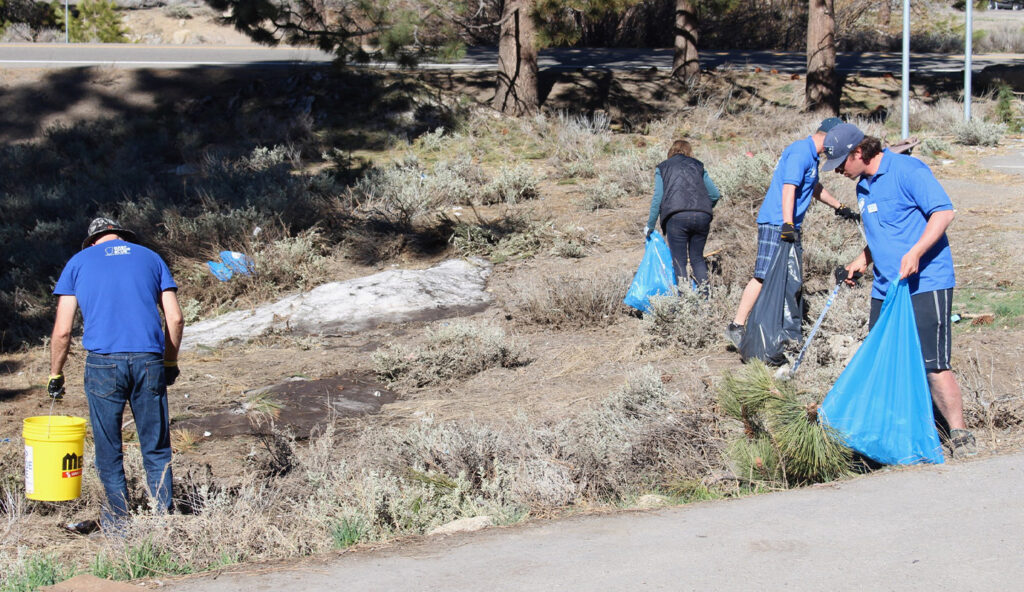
<point x="847" y="214"/>
<point x="55" y="387"/>
<point x="842" y="274"/>
<point x="789" y="233"/>
<point x="171" y="371"/>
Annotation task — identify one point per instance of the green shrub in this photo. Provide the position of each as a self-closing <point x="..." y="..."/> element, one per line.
<point x="96" y="21"/>
<point x="512" y="185"/>
<point x="1008" y="109"/>
<point x="782" y="442"/>
<point x="33" y="572"/>
<point x="144" y="560"/>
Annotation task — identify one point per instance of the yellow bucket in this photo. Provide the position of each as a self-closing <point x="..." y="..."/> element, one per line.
<point x="53" y="457"/>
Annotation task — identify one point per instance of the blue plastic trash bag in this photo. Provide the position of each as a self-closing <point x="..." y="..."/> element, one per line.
<point x="220" y="271"/>
<point x="777" y="315"/>
<point x="881" y="404"/>
<point x="654" y="276"/>
<point x="238" y="262"/>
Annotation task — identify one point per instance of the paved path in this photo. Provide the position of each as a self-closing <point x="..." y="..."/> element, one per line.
<point x="60" y="55"/>
<point x="951" y="527"/>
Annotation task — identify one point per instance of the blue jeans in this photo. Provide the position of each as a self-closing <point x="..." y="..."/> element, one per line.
<point x="111" y="380"/>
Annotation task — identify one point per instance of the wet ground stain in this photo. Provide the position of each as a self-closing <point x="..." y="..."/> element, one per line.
<point x="303" y="404"/>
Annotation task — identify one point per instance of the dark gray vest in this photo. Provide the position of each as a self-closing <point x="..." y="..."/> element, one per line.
<point x="683" y="180"/>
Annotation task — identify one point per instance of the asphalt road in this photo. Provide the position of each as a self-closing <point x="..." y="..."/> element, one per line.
<point x="946" y="527"/>
<point x="58" y="55"/>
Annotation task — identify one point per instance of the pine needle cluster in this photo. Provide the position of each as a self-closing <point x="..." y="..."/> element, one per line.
<point x="783" y="443"/>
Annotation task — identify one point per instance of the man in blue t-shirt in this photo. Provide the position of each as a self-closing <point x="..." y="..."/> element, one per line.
<point x="121" y="288"/>
<point x="906" y="212"/>
<point x="794" y="183"/>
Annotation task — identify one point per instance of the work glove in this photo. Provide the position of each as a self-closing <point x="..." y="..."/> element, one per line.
<point x="55" y="387"/>
<point x="847" y="214"/>
<point x="647" y="232"/>
<point x="842" y="274"/>
<point x="171" y="371"/>
<point x="789" y="233"/>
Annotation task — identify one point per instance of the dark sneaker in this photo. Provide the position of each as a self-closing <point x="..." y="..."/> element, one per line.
<point x="962" y="444"/>
<point x="734" y="333"/>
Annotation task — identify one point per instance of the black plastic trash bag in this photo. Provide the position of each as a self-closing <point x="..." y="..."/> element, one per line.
<point x="778" y="312"/>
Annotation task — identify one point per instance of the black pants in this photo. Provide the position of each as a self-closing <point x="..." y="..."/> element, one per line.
<point x="686" y="233"/>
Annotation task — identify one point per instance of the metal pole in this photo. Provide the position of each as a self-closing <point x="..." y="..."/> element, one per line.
<point x="905" y="90"/>
<point x="968" y="54"/>
<point x="66" y="22"/>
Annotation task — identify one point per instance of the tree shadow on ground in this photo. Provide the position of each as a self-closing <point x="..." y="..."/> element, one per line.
<point x="188" y="158"/>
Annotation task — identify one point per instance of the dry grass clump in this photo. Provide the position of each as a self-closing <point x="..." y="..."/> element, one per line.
<point x="578" y="142"/>
<point x="642" y="435"/>
<point x="782" y="442"/>
<point x="453" y="351"/>
<point x="633" y="168"/>
<point x="515" y="235"/>
<point x="410" y="480"/>
<point x="978" y="132"/>
<point x="1005" y="38"/>
<point x="571" y="300"/>
<point x="689" y="321"/>
<point x="985" y="407"/>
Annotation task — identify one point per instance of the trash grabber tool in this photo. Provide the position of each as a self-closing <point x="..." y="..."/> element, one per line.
<point x="840" y="275"/>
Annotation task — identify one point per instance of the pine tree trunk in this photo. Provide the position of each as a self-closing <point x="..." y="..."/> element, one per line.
<point x="685" y="60"/>
<point x="822" y="91"/>
<point x="517" y="60"/>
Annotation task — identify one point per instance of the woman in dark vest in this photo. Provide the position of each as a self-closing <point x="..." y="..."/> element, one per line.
<point x="683" y="198"/>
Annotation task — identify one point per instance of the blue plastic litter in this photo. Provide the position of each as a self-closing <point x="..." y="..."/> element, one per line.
<point x="238" y="262"/>
<point x="654" y="277"/>
<point x="220" y="271"/>
<point x="881" y="404"/>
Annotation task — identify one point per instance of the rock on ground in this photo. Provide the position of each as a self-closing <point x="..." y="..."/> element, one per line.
<point x="464" y="525"/>
<point x="451" y="288"/>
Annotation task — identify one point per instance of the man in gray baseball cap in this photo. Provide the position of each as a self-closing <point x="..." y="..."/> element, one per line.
<point x="839" y="142"/>
<point x="906" y="213"/>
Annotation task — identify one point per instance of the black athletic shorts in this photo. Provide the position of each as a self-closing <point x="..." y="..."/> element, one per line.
<point x="931" y="311"/>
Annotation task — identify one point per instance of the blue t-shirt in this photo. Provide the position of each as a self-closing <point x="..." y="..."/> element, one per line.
<point x="118" y="287"/>
<point x="895" y="205"/>
<point x="798" y="166"/>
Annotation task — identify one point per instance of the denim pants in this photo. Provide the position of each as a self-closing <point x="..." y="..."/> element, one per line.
<point x="111" y="380"/>
<point x="686" y="233"/>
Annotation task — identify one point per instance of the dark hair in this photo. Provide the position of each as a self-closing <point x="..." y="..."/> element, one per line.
<point x="869" y="147"/>
<point x="680" y="147"/>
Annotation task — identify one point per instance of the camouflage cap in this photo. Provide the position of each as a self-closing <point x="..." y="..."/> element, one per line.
<point x="100" y="226"/>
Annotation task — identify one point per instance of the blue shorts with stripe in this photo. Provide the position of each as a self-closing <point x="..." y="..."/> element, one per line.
<point x="931" y="313"/>
<point x="767" y="244"/>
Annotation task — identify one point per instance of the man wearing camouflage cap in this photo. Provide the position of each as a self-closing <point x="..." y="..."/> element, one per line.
<point x="121" y="287"/>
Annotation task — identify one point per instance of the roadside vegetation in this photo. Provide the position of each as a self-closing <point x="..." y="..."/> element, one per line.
<point x="328" y="170"/>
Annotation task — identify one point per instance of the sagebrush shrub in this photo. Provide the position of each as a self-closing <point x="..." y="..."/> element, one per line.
<point x="453" y="351"/>
<point x="572" y="300"/>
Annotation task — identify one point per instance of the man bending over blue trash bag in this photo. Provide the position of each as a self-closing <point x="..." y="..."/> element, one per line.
<point x="906" y="212"/>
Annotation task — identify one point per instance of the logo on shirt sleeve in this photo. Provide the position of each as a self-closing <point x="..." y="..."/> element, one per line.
<point x="118" y="250"/>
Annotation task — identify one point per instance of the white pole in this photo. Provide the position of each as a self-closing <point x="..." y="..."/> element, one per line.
<point x="66" y="21"/>
<point x="905" y="90"/>
<point x="968" y="54"/>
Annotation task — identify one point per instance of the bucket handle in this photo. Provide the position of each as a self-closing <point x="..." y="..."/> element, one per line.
<point x="49" y="421"/>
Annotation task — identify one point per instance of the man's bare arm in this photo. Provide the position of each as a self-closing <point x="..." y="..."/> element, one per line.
<point x="174" y="324"/>
<point x="60" y="340"/>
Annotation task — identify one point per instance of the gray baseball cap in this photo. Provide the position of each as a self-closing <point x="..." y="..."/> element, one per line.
<point x="100" y="226"/>
<point x="839" y="142"/>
